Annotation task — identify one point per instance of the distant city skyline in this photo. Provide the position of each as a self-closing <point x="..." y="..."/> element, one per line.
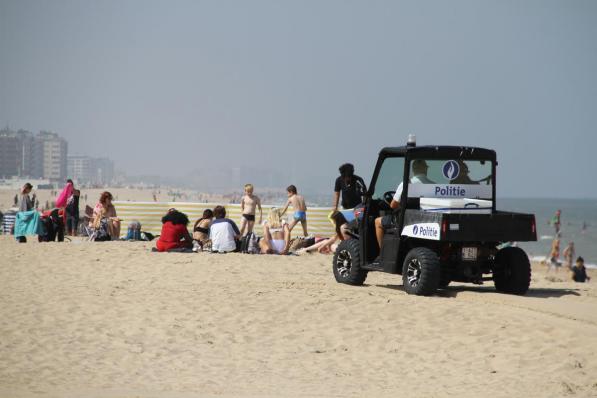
<point x="187" y="89"/>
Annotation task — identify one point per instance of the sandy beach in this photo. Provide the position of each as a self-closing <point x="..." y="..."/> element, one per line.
<point x="113" y="319"/>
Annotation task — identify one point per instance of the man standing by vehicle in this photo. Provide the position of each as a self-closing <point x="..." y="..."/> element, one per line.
<point x="353" y="188"/>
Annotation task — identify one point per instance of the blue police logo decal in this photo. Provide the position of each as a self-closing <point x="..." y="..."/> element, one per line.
<point x="451" y="169"/>
<point x="415" y="229"/>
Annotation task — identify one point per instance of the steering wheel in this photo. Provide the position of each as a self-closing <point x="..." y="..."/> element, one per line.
<point x="389" y="196"/>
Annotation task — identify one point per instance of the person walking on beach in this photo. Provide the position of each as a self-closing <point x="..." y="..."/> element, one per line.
<point x="351" y="186"/>
<point x="554" y="254"/>
<point x="248" y="204"/>
<point x="569" y="254"/>
<point x="298" y="205"/>
<point x="25" y="203"/>
<point x="579" y="272"/>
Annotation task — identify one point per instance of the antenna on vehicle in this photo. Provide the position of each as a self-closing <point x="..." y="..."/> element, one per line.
<point x="412" y="140"/>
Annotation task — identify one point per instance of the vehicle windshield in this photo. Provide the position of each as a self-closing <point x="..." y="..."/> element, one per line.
<point x="390" y="175"/>
<point x="450" y="178"/>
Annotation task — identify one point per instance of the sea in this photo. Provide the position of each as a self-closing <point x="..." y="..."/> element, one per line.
<point x="574" y="214"/>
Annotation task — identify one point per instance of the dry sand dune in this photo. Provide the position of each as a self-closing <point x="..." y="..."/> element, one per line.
<point x="115" y="320"/>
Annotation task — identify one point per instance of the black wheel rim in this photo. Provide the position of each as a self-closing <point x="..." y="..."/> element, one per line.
<point x="343" y="263"/>
<point x="413" y="272"/>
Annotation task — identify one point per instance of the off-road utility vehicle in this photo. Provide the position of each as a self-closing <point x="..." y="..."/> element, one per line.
<point x="446" y="228"/>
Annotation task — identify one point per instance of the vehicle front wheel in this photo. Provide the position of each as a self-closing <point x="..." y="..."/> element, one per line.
<point x="512" y="271"/>
<point x="421" y="273"/>
<point x="347" y="263"/>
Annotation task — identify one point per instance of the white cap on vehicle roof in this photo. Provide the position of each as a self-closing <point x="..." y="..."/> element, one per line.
<point x="412" y="140"/>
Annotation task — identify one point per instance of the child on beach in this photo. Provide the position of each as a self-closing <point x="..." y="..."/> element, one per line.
<point x="298" y="205"/>
<point x="248" y="204"/>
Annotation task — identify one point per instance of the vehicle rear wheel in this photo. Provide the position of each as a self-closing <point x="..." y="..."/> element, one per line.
<point x="512" y="271"/>
<point x="421" y="272"/>
<point x="347" y="263"/>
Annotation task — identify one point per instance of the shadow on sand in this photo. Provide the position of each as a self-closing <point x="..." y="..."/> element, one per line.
<point x="452" y="291"/>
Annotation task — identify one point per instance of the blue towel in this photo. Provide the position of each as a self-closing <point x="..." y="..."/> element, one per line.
<point x="27" y="223"/>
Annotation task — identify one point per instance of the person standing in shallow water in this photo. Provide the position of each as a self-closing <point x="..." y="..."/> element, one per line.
<point x="556" y="221"/>
<point x="351" y="186"/>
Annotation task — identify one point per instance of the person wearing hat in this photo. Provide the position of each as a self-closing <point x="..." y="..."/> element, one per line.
<point x="579" y="272"/>
<point x="351" y="186"/>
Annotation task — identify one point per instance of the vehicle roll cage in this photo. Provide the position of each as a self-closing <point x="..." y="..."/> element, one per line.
<point x="430" y="152"/>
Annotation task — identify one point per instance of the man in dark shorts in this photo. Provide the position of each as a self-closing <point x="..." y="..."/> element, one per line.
<point x="353" y="188"/>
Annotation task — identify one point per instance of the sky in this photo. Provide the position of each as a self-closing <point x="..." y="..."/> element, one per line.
<point x="174" y="88"/>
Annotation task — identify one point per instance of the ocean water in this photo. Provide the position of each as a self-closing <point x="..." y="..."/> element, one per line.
<point x="574" y="213"/>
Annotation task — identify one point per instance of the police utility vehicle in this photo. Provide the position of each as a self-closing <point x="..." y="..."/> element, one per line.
<point x="446" y="227"/>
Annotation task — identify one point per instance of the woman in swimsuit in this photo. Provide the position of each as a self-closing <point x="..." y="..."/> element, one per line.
<point x="201" y="228"/>
<point x="276" y="234"/>
<point x="329" y="245"/>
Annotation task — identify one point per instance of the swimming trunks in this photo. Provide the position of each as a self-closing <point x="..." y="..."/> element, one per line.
<point x="249" y="217"/>
<point x="300" y="215"/>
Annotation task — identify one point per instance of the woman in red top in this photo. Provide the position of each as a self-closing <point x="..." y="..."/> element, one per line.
<point x="174" y="232"/>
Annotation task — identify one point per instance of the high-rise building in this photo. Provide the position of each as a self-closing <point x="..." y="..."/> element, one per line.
<point x="17" y="154"/>
<point x="9" y="149"/>
<point x="88" y="170"/>
<point x="53" y="150"/>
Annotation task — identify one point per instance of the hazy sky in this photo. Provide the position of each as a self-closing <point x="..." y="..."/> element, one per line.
<point x="172" y="86"/>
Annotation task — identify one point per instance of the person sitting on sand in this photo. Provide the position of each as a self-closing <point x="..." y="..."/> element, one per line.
<point x="223" y="232"/>
<point x="104" y="209"/>
<point x="248" y="205"/>
<point x="579" y="272"/>
<point x="300" y="209"/>
<point x="174" y="235"/>
<point x="276" y="234"/>
<point x="329" y="245"/>
<point x="201" y="228"/>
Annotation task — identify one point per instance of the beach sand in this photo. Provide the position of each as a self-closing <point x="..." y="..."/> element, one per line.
<point x="116" y="320"/>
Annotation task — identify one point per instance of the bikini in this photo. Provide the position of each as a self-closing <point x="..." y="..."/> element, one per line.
<point x="203" y="230"/>
<point x="277" y="244"/>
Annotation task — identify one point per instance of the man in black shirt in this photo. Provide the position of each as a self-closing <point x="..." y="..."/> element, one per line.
<point x="579" y="272"/>
<point x="352" y="187"/>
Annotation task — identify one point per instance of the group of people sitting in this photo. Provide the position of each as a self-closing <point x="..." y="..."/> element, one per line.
<point x="102" y="218"/>
<point x="215" y="232"/>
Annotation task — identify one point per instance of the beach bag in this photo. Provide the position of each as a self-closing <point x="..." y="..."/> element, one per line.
<point x="249" y="244"/>
<point x="103" y="234"/>
<point x="253" y="245"/>
<point x="133" y="231"/>
<point x="147" y="236"/>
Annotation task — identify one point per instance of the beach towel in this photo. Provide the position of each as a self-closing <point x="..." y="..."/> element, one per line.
<point x="63" y="197"/>
<point x="27" y="223"/>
